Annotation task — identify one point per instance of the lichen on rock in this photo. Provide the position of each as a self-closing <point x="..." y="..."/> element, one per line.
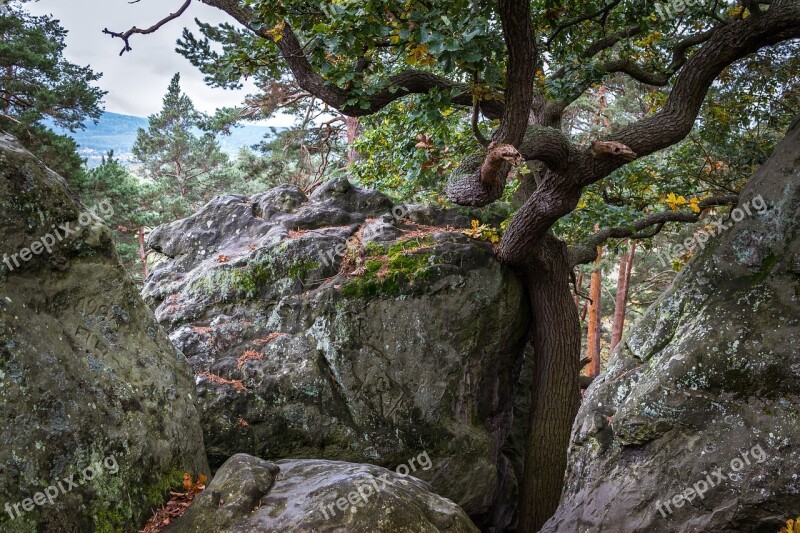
<point x="708" y="375"/>
<point x="86" y="374"/>
<point x="335" y="329"/>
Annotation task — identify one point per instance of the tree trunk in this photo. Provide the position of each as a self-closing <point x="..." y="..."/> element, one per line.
<point x="623" y="282"/>
<point x="353" y="128"/>
<point x="593" y="332"/>
<point x="142" y="253"/>
<point x="555" y="389"/>
<point x="578" y="287"/>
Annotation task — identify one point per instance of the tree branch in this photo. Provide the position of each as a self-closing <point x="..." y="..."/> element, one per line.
<point x="398" y="86"/>
<point x="152" y="29"/>
<point x="586" y="252"/>
<point x="602" y="11"/>
<point x="675" y="120"/>
<point x="548" y="145"/>
<point x="405" y="83"/>
<point x="515" y="16"/>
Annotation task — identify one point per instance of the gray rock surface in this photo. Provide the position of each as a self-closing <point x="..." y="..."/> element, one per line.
<point x="707" y="380"/>
<point x="86" y="373"/>
<point x="252" y="495"/>
<point x="408" y="346"/>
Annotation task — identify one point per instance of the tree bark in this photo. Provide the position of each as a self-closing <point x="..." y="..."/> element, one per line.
<point x="555" y="389"/>
<point x="353" y="126"/>
<point x="142" y="253"/>
<point x="595" y="311"/>
<point x="623" y="283"/>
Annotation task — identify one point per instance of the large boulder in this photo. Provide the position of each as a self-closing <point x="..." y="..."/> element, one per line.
<point x="694" y="424"/>
<point x="96" y="405"/>
<point x="334" y="327"/>
<point x="252" y="495"/>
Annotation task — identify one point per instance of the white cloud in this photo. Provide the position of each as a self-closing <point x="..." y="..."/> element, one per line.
<point x="137" y="81"/>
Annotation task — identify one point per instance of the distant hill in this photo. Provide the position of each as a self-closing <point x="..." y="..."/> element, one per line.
<point x="118" y="132"/>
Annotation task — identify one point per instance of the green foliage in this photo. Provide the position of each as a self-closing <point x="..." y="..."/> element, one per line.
<point x="409" y="148"/>
<point x="131" y="200"/>
<point x="176" y="154"/>
<point x="37" y="85"/>
<point x="743" y="118"/>
<point x="298" y="155"/>
<point x="454" y="36"/>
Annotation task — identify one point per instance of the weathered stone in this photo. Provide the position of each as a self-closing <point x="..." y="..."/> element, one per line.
<point x="252" y="495"/>
<point x="413" y="350"/>
<point x="86" y="374"/>
<point x="706" y="380"/>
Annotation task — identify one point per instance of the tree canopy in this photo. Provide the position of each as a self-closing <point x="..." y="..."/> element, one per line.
<point x="39" y="86"/>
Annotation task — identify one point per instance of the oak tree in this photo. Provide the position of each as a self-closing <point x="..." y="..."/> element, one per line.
<point x="516" y="67"/>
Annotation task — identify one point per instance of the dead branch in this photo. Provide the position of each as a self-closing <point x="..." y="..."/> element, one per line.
<point x="152" y="29"/>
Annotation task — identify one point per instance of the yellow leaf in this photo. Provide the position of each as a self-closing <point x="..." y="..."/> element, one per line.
<point x="276" y="31"/>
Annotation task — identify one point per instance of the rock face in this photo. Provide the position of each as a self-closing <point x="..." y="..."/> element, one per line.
<point x="694" y="425"/>
<point x="249" y="494"/>
<point x="411" y="349"/>
<point x="91" y="390"/>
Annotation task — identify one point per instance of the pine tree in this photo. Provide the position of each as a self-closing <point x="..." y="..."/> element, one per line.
<point x="178" y="151"/>
<point x="38" y="86"/>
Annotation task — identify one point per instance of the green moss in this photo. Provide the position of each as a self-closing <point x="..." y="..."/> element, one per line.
<point x="157" y="492"/>
<point x="409" y="263"/>
<point x="110" y="521"/>
<point x="247" y="282"/>
<point x="373" y="265"/>
<point x="301" y="269"/>
<point x="373" y="248"/>
<point x="409" y="244"/>
<point x="402" y="270"/>
<point x="372" y="286"/>
<point x="113" y="513"/>
<point x="115" y="507"/>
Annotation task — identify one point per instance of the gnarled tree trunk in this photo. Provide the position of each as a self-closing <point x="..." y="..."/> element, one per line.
<point x="555" y="393"/>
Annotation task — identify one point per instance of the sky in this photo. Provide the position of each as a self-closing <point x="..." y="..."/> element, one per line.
<point x="136" y="81"/>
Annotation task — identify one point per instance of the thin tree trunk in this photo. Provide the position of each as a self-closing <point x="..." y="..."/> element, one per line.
<point x="353" y="126"/>
<point x="623" y="283"/>
<point x="142" y="253"/>
<point x="578" y="287"/>
<point x="555" y="389"/>
<point x="593" y="332"/>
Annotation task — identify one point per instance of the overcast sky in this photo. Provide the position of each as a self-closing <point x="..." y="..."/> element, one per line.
<point x="137" y="81"/>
